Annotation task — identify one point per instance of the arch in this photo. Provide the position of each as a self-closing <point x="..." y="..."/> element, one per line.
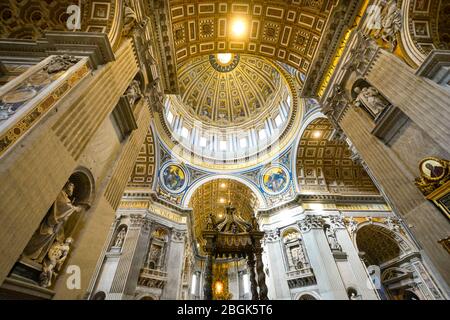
<point x="308" y="295"/>
<point x="399" y="243"/>
<point x="289" y="229"/>
<point x="84" y="194"/>
<point x="100" y="295"/>
<point x="194" y="186"/>
<point x="423" y="29"/>
<point x="84" y="183"/>
<point x="404" y="242"/>
<point x="309" y="118"/>
<point x="146" y="296"/>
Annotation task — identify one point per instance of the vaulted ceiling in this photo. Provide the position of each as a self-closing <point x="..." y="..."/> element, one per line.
<point x="378" y="244"/>
<point x="288" y="31"/>
<point x="213" y="196"/>
<point x="29" y="19"/>
<point x="218" y="96"/>
<point x="143" y="173"/>
<point x="324" y="164"/>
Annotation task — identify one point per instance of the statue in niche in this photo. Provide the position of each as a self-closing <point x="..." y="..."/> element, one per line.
<point x="60" y="63"/>
<point x="391" y="24"/>
<point x="52" y="227"/>
<point x="53" y="262"/>
<point x="371" y="99"/>
<point x="298" y="256"/>
<point x="332" y="241"/>
<point x="133" y="92"/>
<point x="120" y="237"/>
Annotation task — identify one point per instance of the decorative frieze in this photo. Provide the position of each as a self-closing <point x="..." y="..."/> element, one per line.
<point x="311" y="222"/>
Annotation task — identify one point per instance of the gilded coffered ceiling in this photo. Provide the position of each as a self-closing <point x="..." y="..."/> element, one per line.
<point x="288" y="31"/>
<point x="324" y="164"/>
<point x="29" y="19"/>
<point x="216" y="96"/>
<point x="143" y="173"/>
<point x="213" y="196"/>
<point x="378" y="244"/>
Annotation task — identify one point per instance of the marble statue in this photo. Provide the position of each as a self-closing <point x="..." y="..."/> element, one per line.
<point x="371" y="99"/>
<point x="52" y="227"/>
<point x="60" y="63"/>
<point x="332" y="241"/>
<point x="120" y="237"/>
<point x="391" y="23"/>
<point x="133" y="92"/>
<point x="55" y="258"/>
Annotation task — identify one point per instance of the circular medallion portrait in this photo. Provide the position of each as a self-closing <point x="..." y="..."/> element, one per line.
<point x="173" y="177"/>
<point x="275" y="179"/>
<point x="432" y="168"/>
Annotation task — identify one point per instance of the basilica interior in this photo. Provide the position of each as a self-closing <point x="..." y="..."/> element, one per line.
<point x="225" y="150"/>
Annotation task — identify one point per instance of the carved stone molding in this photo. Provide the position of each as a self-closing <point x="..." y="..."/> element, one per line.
<point x="311" y="222"/>
<point x="272" y="236"/>
<point x="178" y="236"/>
<point x="139" y="221"/>
<point x="337" y="222"/>
<point x="96" y="46"/>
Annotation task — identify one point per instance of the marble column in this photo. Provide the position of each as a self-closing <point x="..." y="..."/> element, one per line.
<point x="278" y="284"/>
<point x="174" y="265"/>
<point x="423" y="101"/>
<point x="253" y="283"/>
<point x="207" y="286"/>
<point x="397" y="183"/>
<point x="321" y="258"/>
<point x="261" y="275"/>
<point x="352" y="269"/>
<point x="132" y="259"/>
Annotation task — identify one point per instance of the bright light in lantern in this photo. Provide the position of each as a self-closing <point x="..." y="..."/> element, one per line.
<point x="224" y="58"/>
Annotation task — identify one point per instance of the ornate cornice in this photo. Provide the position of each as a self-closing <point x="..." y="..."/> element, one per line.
<point x="340" y="21"/>
<point x="96" y="46"/>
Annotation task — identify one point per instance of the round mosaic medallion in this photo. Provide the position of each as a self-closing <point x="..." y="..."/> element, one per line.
<point x="275" y="179"/>
<point x="173" y="177"/>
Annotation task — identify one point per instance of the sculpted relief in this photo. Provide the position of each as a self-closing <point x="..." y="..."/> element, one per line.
<point x="50" y="244"/>
<point x="370" y="99"/>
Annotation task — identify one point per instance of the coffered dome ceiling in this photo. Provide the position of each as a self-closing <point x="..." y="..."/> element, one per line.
<point x="233" y="91"/>
<point x="231" y="109"/>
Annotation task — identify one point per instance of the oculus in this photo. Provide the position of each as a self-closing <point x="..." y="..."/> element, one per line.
<point x="224" y="62"/>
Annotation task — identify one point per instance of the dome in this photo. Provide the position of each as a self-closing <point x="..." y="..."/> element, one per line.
<point x="228" y="89"/>
<point x="231" y="111"/>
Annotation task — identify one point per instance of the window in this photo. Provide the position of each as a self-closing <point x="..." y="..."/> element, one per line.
<point x="202" y="142"/>
<point x="243" y="142"/>
<point x="262" y="134"/>
<point x="223" y="145"/>
<point x="169" y="117"/>
<point x="194" y="284"/>
<point x="278" y="120"/>
<point x="184" y="132"/>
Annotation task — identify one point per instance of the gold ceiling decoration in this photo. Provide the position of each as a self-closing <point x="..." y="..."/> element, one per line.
<point x="288" y="31"/>
<point x="29" y="19"/>
<point x="144" y="167"/>
<point x="324" y="165"/>
<point x="225" y="98"/>
<point x="378" y="244"/>
<point x="213" y="196"/>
